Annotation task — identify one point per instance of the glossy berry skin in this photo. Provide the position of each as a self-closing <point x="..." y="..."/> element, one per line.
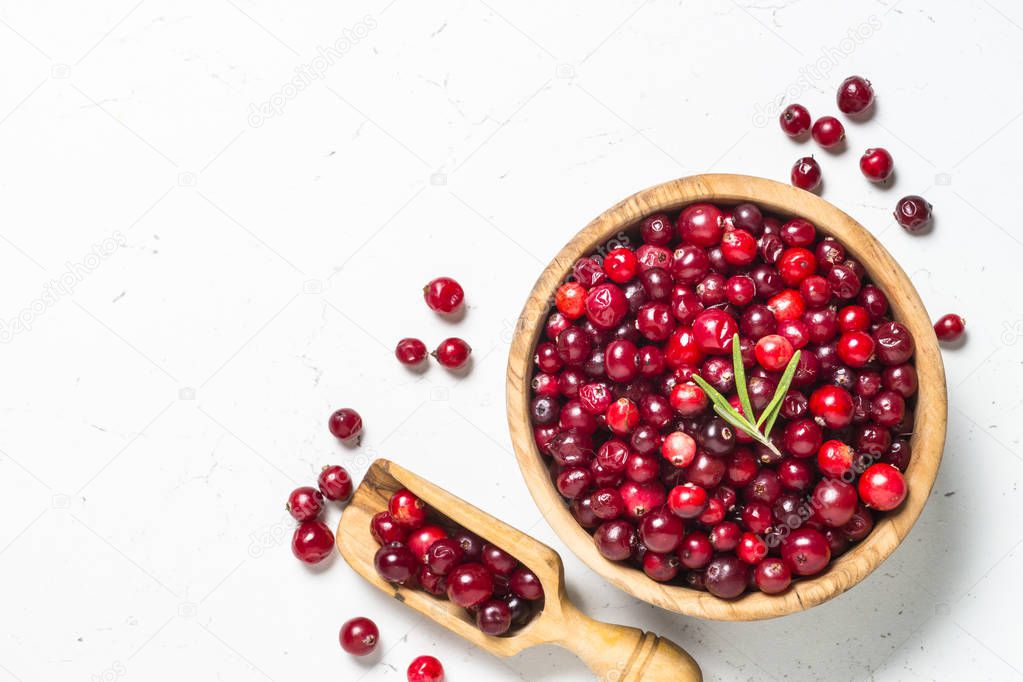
<point x="855" y="348"/>
<point x="835" y="501"/>
<point x="794" y="120"/>
<point x="832" y="407"/>
<point x="444" y="555"/>
<point x="687" y="501"/>
<point x="739" y="247"/>
<point x="622" y="416"/>
<point x="806" y="174"/>
<point x="335" y="483"/>
<point x="805" y="551"/>
<point x="494" y="618"/>
<point x="524" y="584"/>
<point x="774" y="352"/>
<point x="606" y="306"/>
<point x="359" y="636"/>
<point x="312" y="542"/>
<point x="877" y="164"/>
<point x="407" y="509"/>
<point x="395" y="563"/>
<point x="620" y="265"/>
<point x="796" y="264"/>
<point x="345" y="424"/>
<point x="470" y="585"/>
<point x="752" y="548"/>
<point x="713" y="331"/>
<point x="701" y="225"/>
<point x="772" y="576"/>
<point x="425" y="669"/>
<point x="726" y="577"/>
<point x="443" y="295"/>
<point x="305" y="503"/>
<point x="882" y="487"/>
<point x="661" y="531"/>
<point x="828" y="131"/>
<point x="855" y="94"/>
<point x="570" y="299"/>
<point x="835" y="458"/>
<point x="679" y="448"/>
<point x="420" y="541"/>
<point x="385" y="530"/>
<point x="452" y="353"/>
<point x="913" y="213"/>
<point x="615" y="540"/>
<point x="949" y="327"/>
<point x="410" y="351"/>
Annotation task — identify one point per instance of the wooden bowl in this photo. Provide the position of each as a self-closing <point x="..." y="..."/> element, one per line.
<point x="926" y="442"/>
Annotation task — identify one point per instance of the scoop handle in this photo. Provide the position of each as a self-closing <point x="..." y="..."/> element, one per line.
<point x="617" y="653"/>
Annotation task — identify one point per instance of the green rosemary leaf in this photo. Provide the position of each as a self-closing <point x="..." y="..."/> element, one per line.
<point x="774" y="407"/>
<point x="730" y="416"/>
<point x="720" y="401"/>
<point x="740" y="380"/>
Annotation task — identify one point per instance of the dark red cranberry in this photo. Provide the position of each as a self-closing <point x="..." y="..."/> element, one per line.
<point x="873" y="439"/>
<point x="757" y="517"/>
<point x="888" y="408"/>
<point x="913" y="213"/>
<point x="949" y="327"/>
<point x="582" y="511"/>
<point x="724" y="537"/>
<point x="806" y="174"/>
<point x="844" y="281"/>
<point x="900" y="378"/>
<point x="345" y="424"/>
<point x="829" y="252"/>
<point x="573" y="482"/>
<point x="758" y="321"/>
<point x="470" y="585"/>
<point x="794" y="120"/>
<point x="893" y="343"/>
<point x="661" y="530"/>
<point x="385" y="530"/>
<point x="657" y="284"/>
<point x="815" y="290"/>
<point x="795" y="405"/>
<point x="855" y="94"/>
<point x="305" y="503"/>
<point x="772" y="576"/>
<point x="877" y="164"/>
<point x="805" y="551"/>
<point x="443" y="295"/>
<point x="701" y="225"/>
<point x="556" y="324"/>
<point x="655" y="321"/>
<point x="771" y="248"/>
<point x="494" y="617"/>
<point x="747" y="216"/>
<point x="859" y="524"/>
<point x="874" y="300"/>
<point x="726" y="577"/>
<point x="828" y="131"/>
<point x="689" y="264"/>
<point x="661" y="567"/>
<point x="453" y="353"/>
<point x="802" y="438"/>
<point x="312" y="542"/>
<point x="395" y="563"/>
<point x="657" y="230"/>
<point x="573" y="346"/>
<point x="835" y="501"/>
<point x="407" y="509"/>
<point x="645" y="440"/>
<point x="615" y="540"/>
<point x="359" y="636"/>
<point x="443" y="555"/>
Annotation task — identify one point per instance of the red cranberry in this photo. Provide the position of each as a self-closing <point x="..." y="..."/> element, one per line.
<point x="621" y="265"/>
<point x="882" y="487"/>
<point x="655" y="321"/>
<point x="661" y="530"/>
<point x="615" y="540"/>
<point x="859" y="525"/>
<point x="738" y="247"/>
<point x="828" y="131"/>
<point x="695" y="550"/>
<point x="305" y="503"/>
<point x="650" y="256"/>
<point x="844" y="281"/>
<point x="410" y="351"/>
<point x="713" y="330"/>
<point x="345" y="424"/>
<point x="893" y="343"/>
<point x="855" y="348"/>
<point x="657" y="284"/>
<point x="752" y="548"/>
<point x="798" y="233"/>
<point x="524" y="583"/>
<point x="407" y="510"/>
<point x="757" y="517"/>
<point x="701" y="225"/>
<point x="796" y="264"/>
<point x="452" y="353"/>
<point x="794" y="120"/>
<point x="815" y="290"/>
<point x="805" y="551"/>
<point x="443" y="295"/>
<point x="806" y="174"/>
<point x="335" y="483"/>
<point x="689" y="264"/>
<point x="655" y="410"/>
<point x="900" y="378"/>
<point x="359" y="636"/>
<point x="949" y="327"/>
<point x="385" y="530"/>
<point x="422" y="539"/>
<point x="606" y="306"/>
<point x="312" y="542"/>
<point x="772" y="576"/>
<point x="425" y="669"/>
<point x="641" y="498"/>
<point x="443" y="555"/>
<point x="661" y="567"/>
<point x="855" y="94"/>
<point x="835" y="501"/>
<point x="687" y="501"/>
<point x="913" y="213"/>
<point x="747" y="216"/>
<point x="570" y="300"/>
<point x="877" y="164"/>
<point x="832" y="407"/>
<point x="713" y="514"/>
<point x="802" y="438"/>
<point x="835" y="458"/>
<point x="395" y="563"/>
<point x="724" y="537"/>
<point x="888" y="408"/>
<point x="774" y="352"/>
<point x="726" y="577"/>
<point x="657" y="230"/>
<point x="470" y="585"/>
<point x="795" y="474"/>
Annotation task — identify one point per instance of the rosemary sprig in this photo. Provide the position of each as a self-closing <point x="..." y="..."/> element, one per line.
<point x="758" y="428"/>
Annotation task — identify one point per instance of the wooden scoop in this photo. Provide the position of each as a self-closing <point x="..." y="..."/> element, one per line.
<point x="614" y="652"/>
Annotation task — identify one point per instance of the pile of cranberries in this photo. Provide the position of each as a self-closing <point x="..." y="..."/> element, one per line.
<point x="638" y="452"/>
<point x="419" y="549"/>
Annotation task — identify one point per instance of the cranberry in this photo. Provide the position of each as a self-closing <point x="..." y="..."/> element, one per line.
<point x="657" y="284"/>
<point x="385" y="530"/>
<point x="726" y="577"/>
<point x="796" y="264"/>
<point x="679" y="448"/>
<point x="795" y="474"/>
<point x="713" y="514"/>
<point x="835" y="458"/>
<point x="345" y="424"/>
<point x="524" y="583"/>
<point x="802" y="438"/>
<point x="913" y="213"/>
<point x="716" y="437"/>
<point x="422" y="539"/>
<point x="774" y="352"/>
<point x="443" y="555"/>
<point x="835" y="501"/>
<point x="701" y="225"/>
<point x="882" y="487"/>
<point x="844" y="281"/>
<point x="949" y="327"/>
<point x="695" y="551"/>
<point x="410" y="351"/>
<point x="689" y="264"/>
<point x="641" y="497"/>
<point x="832" y="407"/>
<point x="713" y="331"/>
<point x="312" y="542"/>
<point x="494" y="617"/>
<point x="877" y="164"/>
<point x="738" y="247"/>
<point x="795" y="120"/>
<point x="615" y="540"/>
<point x="752" y="548"/>
<point x="395" y="563"/>
<point x="900" y="378"/>
<point x="806" y="174"/>
<point x="859" y="525"/>
<point x="570" y="299"/>
<point x="815" y="290"/>
<point x="335" y="483"/>
<point x="470" y="584"/>
<point x="888" y="408"/>
<point x="555" y="324"/>
<point x="305" y="503"/>
<point x="620" y="264"/>
<point x="747" y="216"/>
<point x="874" y="300"/>
<point x="606" y="306"/>
<point x="855" y="348"/>
<point x="772" y="576"/>
<point x="687" y="501"/>
<point x="757" y="517"/>
<point x="893" y="343"/>
<point x="425" y="669"/>
<point x="655" y="321"/>
<point x="829" y="253"/>
<point x="855" y="94"/>
<point x="742" y="467"/>
<point x="828" y="131"/>
<point x="452" y="353"/>
<point x="359" y="636"/>
<point x="805" y="551"/>
<point x="650" y="257"/>
<point x="724" y="537"/>
<point x="657" y="230"/>
<point x="798" y="232"/>
<point x="767" y="279"/>
<point x="443" y="295"/>
<point x="661" y="530"/>
<point x="407" y="510"/>
<point x="661" y="567"/>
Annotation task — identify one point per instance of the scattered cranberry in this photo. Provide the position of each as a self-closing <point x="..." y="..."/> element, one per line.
<point x="806" y="174"/>
<point x="795" y="120"/>
<point x="359" y="636"/>
<point x="913" y="213"/>
<point x="425" y="669"/>
<point x="410" y="351"/>
<point x="345" y="424"/>
<point x="335" y="483"/>
<point x="452" y="353"/>
<point x="443" y="295"/>
<point x="312" y="542"/>
<point x="949" y="327"/>
<point x="855" y="94"/>
<point x="305" y="503"/>
<point x="828" y="131"/>
<point x="877" y="164"/>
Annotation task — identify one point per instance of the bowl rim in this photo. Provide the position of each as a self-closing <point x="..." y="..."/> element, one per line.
<point x="926" y="442"/>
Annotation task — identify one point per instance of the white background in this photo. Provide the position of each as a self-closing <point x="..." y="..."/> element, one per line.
<point x="156" y="414"/>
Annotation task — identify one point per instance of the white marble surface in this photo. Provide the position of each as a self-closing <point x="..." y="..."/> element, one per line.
<point x="232" y="272"/>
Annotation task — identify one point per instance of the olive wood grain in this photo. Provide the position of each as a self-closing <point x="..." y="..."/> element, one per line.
<point x="615" y="653"/>
<point x="927" y="440"/>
